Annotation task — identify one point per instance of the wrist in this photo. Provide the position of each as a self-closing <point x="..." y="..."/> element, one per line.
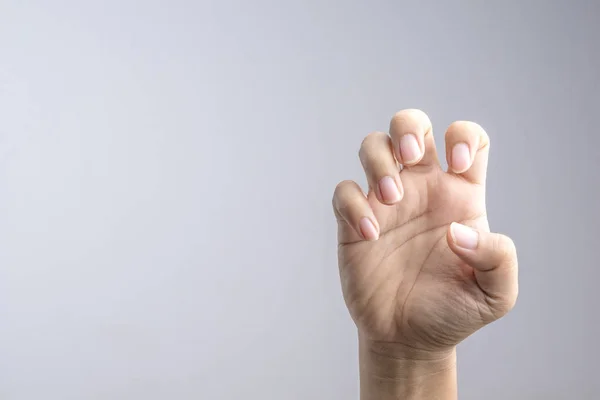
<point x="394" y="370"/>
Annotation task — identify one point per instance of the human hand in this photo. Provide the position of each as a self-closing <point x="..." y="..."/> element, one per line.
<point x="420" y="270"/>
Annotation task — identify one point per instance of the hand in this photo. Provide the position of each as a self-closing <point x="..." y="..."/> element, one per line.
<point x="419" y="268"/>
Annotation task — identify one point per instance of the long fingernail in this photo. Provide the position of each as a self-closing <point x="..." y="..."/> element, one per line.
<point x="461" y="158"/>
<point x="368" y="230"/>
<point x="464" y="236"/>
<point x="409" y="149"/>
<point x="389" y="190"/>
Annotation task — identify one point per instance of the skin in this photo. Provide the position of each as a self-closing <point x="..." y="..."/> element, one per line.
<point x="419" y="268"/>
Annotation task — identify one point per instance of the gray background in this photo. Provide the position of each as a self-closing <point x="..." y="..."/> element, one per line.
<point x="167" y="169"/>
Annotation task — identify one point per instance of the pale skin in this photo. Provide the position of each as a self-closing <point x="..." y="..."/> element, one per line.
<point x="419" y="267"/>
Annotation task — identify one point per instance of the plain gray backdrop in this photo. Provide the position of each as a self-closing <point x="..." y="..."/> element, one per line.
<point x="166" y="172"/>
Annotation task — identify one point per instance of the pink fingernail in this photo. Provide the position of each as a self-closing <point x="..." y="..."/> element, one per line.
<point x="368" y="230"/>
<point x="389" y="190"/>
<point x="461" y="158"/>
<point x="409" y="149"/>
<point x="464" y="236"/>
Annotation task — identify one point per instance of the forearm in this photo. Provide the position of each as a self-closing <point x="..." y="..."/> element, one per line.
<point x="395" y="373"/>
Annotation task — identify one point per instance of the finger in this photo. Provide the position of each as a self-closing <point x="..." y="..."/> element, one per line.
<point x="353" y="211"/>
<point x="467" y="148"/>
<point x="412" y="138"/>
<point x="377" y="158"/>
<point x="494" y="260"/>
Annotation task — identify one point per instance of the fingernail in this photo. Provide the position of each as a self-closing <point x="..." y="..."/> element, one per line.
<point x="389" y="190"/>
<point x="464" y="236"/>
<point x="461" y="157"/>
<point x="368" y="230"/>
<point x="409" y="149"/>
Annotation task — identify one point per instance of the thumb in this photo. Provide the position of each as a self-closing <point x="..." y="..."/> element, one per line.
<point x="494" y="260"/>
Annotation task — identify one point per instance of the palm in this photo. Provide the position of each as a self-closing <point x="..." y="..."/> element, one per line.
<point x="409" y="285"/>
